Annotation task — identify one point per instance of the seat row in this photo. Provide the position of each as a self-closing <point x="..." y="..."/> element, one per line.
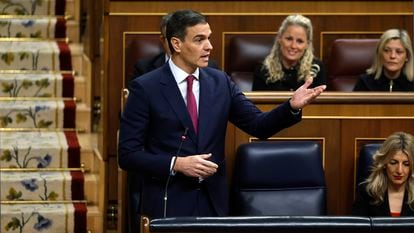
<point x="348" y="58"/>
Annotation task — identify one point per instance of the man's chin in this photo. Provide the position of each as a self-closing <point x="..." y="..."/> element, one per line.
<point x="203" y="64"/>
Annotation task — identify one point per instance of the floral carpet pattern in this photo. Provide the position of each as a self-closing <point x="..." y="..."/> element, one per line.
<point x="40" y="186"/>
<point x="35" y="85"/>
<point x="42" y="28"/>
<point x="50" y="150"/>
<point x="38" y="218"/>
<point x="42" y="178"/>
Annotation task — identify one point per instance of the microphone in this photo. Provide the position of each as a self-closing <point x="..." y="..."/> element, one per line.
<point x="314" y="70"/>
<point x="183" y="138"/>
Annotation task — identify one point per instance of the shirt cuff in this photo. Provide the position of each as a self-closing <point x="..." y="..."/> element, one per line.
<point x="294" y="112"/>
<point x="172" y="172"/>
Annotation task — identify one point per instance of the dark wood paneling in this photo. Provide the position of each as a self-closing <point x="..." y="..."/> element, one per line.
<point x="320" y="119"/>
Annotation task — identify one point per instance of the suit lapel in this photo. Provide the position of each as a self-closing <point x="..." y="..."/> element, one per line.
<point x="173" y="96"/>
<point x="405" y="210"/>
<point x="205" y="101"/>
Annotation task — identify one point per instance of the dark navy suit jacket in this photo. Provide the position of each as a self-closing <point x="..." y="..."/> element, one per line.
<point x="154" y="120"/>
<point x="363" y="207"/>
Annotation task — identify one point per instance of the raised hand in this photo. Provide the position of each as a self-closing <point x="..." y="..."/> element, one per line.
<point x="304" y="95"/>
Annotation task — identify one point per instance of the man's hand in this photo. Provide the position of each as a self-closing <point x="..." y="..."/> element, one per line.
<point x="195" y="166"/>
<point x="304" y="95"/>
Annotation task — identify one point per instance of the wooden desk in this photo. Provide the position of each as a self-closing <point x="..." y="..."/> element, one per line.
<point x="343" y="121"/>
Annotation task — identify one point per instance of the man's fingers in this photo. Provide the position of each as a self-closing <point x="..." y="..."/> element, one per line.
<point x="307" y="83"/>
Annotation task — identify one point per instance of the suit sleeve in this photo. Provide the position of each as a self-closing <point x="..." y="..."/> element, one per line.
<point x="133" y="135"/>
<point x="245" y="115"/>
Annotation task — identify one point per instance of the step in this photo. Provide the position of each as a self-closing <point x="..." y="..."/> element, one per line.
<point x="95" y="220"/>
<point x="91" y="190"/>
<point x="35" y="55"/>
<point x="83" y="117"/>
<point x="29" y="218"/>
<point x="33" y="27"/>
<point x="25" y="7"/>
<point x="72" y="9"/>
<point x="88" y="144"/>
<point x="76" y="50"/>
<point x="81" y="90"/>
<point x="43" y="185"/>
<point x="41" y="149"/>
<point x="54" y="144"/>
<point x="40" y="84"/>
<point x="72" y="31"/>
<point x="38" y="113"/>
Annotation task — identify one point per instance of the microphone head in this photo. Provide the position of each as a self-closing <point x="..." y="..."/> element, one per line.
<point x="183" y="137"/>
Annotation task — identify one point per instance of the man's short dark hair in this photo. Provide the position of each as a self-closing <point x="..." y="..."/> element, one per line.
<point x="178" y="23"/>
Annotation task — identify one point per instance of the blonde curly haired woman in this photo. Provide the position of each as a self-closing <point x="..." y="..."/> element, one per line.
<point x="291" y="60"/>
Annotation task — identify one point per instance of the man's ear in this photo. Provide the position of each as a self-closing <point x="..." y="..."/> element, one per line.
<point x="176" y="43"/>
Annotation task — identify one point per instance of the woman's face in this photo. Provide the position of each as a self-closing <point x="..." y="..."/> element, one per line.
<point x="394" y="56"/>
<point x="293" y="43"/>
<point x="398" y="169"/>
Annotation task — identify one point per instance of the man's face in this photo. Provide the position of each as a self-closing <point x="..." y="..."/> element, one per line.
<point x="194" y="50"/>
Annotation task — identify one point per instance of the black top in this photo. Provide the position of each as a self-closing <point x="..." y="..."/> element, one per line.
<point x="362" y="206"/>
<point x="366" y="82"/>
<point x="289" y="82"/>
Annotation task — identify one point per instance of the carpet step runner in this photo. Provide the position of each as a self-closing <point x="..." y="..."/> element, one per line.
<point x="37" y="113"/>
<point x="45" y="218"/>
<point x="35" y="55"/>
<point x="32" y="27"/>
<point x="40" y="149"/>
<point x="31" y="7"/>
<point x="42" y="185"/>
<point x="23" y="84"/>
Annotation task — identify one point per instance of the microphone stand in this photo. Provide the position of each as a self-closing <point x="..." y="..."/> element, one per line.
<point x="183" y="137"/>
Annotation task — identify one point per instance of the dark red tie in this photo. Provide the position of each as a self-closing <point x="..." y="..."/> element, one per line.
<point x="191" y="102"/>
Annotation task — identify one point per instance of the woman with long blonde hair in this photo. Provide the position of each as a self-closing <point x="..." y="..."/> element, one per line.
<point x="389" y="189"/>
<point x="291" y="61"/>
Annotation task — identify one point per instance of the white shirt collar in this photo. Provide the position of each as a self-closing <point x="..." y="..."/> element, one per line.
<point x="179" y="74"/>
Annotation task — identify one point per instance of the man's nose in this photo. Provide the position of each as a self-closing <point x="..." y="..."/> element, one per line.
<point x="209" y="46"/>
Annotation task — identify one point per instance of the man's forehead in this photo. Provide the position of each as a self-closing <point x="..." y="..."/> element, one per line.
<point x="198" y="29"/>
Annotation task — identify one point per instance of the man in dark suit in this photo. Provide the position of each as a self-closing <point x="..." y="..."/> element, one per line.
<point x="173" y="128"/>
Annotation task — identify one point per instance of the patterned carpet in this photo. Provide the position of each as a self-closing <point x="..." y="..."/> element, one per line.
<point x="42" y="177"/>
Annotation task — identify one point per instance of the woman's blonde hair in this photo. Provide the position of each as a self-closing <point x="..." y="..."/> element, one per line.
<point x="273" y="62"/>
<point x="393" y="34"/>
<point x="377" y="182"/>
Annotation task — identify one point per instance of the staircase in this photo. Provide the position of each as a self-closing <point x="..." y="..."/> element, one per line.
<point x="52" y="175"/>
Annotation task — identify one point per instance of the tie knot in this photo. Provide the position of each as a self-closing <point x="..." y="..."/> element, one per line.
<point x="190" y="80"/>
